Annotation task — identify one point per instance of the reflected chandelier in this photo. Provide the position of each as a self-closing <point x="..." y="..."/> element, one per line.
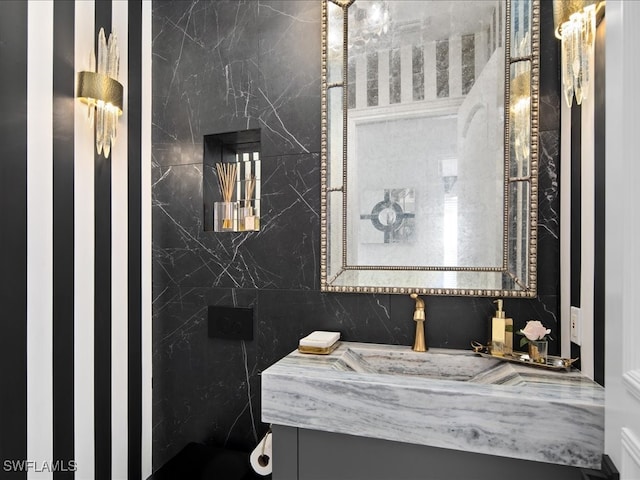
<point x="368" y="23"/>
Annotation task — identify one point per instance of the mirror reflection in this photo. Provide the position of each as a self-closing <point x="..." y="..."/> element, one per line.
<point x="421" y="98"/>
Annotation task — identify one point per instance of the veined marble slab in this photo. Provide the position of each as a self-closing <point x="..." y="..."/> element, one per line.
<point x="442" y="398"/>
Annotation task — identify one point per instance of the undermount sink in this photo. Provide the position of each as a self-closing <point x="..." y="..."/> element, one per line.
<point x="443" y="398"/>
<point x="443" y="364"/>
<point x="439" y="364"/>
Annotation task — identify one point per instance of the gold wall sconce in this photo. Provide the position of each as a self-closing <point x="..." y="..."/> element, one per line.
<point x="102" y="92"/>
<point x="575" y="24"/>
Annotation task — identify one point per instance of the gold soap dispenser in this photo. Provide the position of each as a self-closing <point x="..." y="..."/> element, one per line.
<point x="501" y="332"/>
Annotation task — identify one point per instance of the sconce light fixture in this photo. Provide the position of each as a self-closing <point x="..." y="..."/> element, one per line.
<point x="575" y="25"/>
<point x="102" y="92"/>
<point x="368" y="23"/>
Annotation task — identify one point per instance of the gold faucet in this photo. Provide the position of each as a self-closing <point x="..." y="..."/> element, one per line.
<point x="420" y="344"/>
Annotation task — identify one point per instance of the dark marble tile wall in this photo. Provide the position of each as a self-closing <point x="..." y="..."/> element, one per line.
<point x="221" y="66"/>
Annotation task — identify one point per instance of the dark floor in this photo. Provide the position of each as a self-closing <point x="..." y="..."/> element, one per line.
<point x="197" y="461"/>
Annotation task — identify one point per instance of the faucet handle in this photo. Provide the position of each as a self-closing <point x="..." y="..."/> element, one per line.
<point x="418" y="314"/>
<point x="420" y="343"/>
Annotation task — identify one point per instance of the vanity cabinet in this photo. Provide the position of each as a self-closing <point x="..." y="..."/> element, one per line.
<point x="386" y="412"/>
<point x="303" y="454"/>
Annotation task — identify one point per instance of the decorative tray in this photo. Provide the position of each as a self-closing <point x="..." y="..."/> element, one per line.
<point x="552" y="363"/>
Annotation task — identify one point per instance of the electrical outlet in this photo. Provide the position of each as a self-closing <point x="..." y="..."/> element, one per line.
<point x="575" y="325"/>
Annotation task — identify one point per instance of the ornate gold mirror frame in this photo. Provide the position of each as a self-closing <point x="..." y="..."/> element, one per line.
<point x="516" y="276"/>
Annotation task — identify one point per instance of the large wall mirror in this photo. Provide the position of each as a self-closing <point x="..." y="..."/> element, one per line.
<point x="430" y="146"/>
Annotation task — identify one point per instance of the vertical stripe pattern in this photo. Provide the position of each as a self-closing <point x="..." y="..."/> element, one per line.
<point x="587" y="225"/>
<point x="63" y="237"/>
<point x="582" y="220"/>
<point x="119" y="260"/>
<point x="84" y="221"/>
<point x="134" y="239"/>
<point x="599" y="220"/>
<point x="102" y="277"/>
<point x="145" y="236"/>
<point x="13" y="231"/>
<point x="74" y="243"/>
<point x="565" y="228"/>
<point x="40" y="233"/>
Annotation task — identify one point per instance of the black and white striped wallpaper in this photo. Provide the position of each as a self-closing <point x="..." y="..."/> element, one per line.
<point x="582" y="232"/>
<point x="75" y="276"/>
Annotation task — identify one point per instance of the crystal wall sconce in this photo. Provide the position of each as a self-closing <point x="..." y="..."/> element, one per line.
<point x="575" y="25"/>
<point x="102" y="92"/>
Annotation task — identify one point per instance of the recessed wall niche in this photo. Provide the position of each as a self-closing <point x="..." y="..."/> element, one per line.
<point x="231" y="181"/>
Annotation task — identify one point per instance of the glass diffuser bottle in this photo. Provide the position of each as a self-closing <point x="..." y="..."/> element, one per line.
<point x="225" y="213"/>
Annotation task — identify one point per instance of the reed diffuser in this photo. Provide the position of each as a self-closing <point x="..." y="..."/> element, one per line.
<point x="248" y="219"/>
<point x="225" y="212"/>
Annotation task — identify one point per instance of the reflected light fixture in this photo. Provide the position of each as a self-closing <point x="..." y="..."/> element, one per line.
<point x="102" y="92"/>
<point x="520" y="117"/>
<point x="575" y="25"/>
<point x="368" y="23"/>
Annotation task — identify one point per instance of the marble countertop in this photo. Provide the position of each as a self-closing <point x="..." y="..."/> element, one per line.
<point x="442" y="398"/>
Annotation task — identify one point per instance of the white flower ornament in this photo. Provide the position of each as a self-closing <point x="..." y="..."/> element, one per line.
<point x="534" y="330"/>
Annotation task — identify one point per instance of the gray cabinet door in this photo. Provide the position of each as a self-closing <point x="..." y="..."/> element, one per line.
<point x="313" y="455"/>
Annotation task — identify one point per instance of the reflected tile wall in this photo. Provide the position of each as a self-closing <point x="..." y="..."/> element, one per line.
<point x="221" y="66"/>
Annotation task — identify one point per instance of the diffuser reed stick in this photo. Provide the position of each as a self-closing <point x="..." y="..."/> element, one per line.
<point x="227" y="182"/>
<point x="248" y="219"/>
<point x="249" y="187"/>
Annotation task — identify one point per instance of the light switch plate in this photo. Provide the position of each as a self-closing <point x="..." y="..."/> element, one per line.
<point x="576" y="319"/>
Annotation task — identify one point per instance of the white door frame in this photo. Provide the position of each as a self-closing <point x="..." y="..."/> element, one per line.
<point x="622" y="276"/>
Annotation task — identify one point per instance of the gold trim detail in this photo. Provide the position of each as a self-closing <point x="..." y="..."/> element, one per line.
<point x="318" y="350"/>
<point x="94" y="87"/>
<point x="527" y="285"/>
